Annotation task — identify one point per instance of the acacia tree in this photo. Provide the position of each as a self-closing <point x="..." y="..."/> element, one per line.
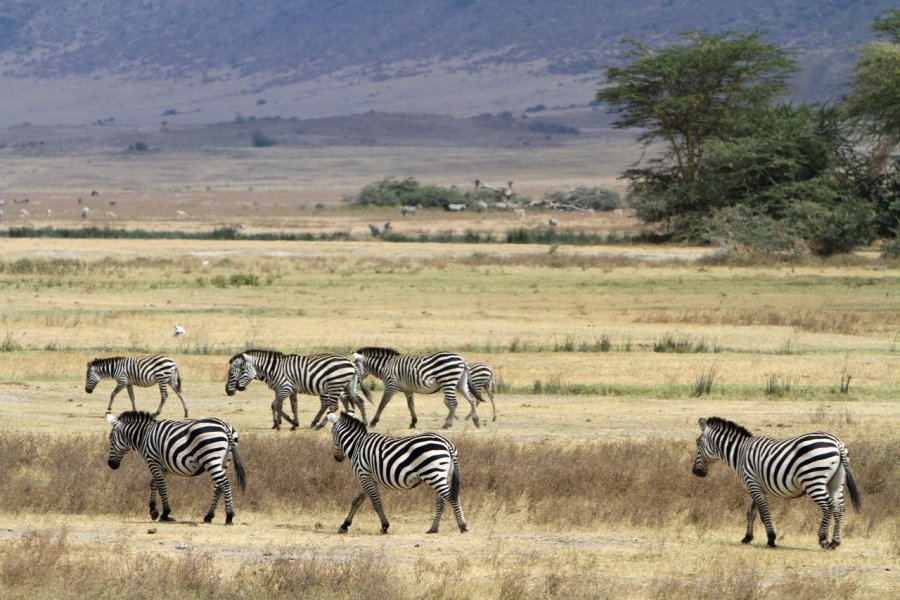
<point x="686" y="94"/>
<point x="874" y="104"/>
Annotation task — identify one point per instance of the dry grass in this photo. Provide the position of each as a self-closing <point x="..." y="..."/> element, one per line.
<point x="582" y="487"/>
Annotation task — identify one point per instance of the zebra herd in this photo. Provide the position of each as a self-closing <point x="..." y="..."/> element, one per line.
<point x="813" y="464"/>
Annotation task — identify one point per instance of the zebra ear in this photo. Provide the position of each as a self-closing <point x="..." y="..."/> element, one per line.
<point x="332" y="417"/>
<point x="702" y="424"/>
<point x="111" y="419"/>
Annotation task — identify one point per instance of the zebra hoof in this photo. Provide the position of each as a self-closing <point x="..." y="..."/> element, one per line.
<point x="154" y="514"/>
<point x="384" y="531"/>
<point x="463" y="529"/>
<point x="832" y="546"/>
<point x="747" y="539"/>
<point x="208" y="518"/>
<point x="229" y="519"/>
<point x="432" y="530"/>
<point x="166" y="518"/>
<point x="342" y="529"/>
<point x="276" y="426"/>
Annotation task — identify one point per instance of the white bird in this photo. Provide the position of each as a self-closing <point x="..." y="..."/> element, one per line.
<point x="179" y="330"/>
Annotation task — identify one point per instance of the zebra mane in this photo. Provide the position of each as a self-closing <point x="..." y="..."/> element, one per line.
<point x="136" y="416"/>
<point x="256" y="351"/>
<point x="99" y="362"/>
<point x="351" y="422"/>
<point x="377" y="351"/>
<point x="720" y="423"/>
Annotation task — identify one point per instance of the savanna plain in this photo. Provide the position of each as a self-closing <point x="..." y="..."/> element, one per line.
<point x="606" y="356"/>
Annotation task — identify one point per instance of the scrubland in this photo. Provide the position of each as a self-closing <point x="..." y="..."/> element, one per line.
<point x="606" y="357"/>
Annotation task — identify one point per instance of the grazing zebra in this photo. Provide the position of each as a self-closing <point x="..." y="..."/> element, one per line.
<point x="330" y="376"/>
<point x="815" y="464"/>
<point x="185" y="448"/>
<point x="481" y="378"/>
<point x="129" y="371"/>
<point x="408" y="373"/>
<point x="397" y="463"/>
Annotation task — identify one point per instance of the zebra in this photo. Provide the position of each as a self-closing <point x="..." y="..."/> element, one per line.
<point x="129" y="371"/>
<point x="332" y="377"/>
<point x="815" y="464"/>
<point x="185" y="448"/>
<point x="481" y="378"/>
<point x="425" y="374"/>
<point x="397" y="463"/>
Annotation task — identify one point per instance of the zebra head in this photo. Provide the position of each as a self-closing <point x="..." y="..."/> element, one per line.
<point x="127" y="432"/>
<point x="241" y="371"/>
<point x="360" y="361"/>
<point x="345" y="431"/>
<point x="118" y="445"/>
<point x="92" y="378"/>
<point x="705" y="452"/>
<point x="718" y="439"/>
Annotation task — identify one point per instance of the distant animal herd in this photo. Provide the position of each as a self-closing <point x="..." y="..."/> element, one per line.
<point x="813" y="464"/>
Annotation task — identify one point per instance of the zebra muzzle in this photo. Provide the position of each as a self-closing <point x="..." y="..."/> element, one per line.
<point x="113" y="464"/>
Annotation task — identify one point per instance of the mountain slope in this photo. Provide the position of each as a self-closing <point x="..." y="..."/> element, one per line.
<point x="206" y="60"/>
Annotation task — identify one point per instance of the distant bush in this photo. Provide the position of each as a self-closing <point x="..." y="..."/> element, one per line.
<point x="392" y="191"/>
<point x="553" y="128"/>
<point x="262" y="140"/>
<point x="587" y="197"/>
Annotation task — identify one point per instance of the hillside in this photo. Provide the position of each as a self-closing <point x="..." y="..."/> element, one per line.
<point x="144" y="61"/>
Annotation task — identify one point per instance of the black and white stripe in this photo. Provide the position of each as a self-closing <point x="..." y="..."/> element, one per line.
<point x="814" y="464"/>
<point x="185" y="448"/>
<point x="130" y="371"/>
<point x="399" y="464"/>
<point x="481" y="379"/>
<point x="418" y="374"/>
<point x="330" y="376"/>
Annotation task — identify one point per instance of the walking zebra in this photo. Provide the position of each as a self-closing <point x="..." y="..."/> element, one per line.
<point x="129" y="371"/>
<point x="815" y="464"/>
<point x="408" y="373"/>
<point x="481" y="378"/>
<point x="185" y="448"/>
<point x="397" y="463"/>
<point x="330" y="376"/>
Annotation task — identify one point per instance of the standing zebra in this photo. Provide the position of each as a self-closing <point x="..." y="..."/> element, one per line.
<point x="815" y="464"/>
<point x="397" y="463"/>
<point x="185" y="448"/>
<point x="129" y="371"/>
<point x="481" y="378"/>
<point x="330" y="376"/>
<point x="407" y="373"/>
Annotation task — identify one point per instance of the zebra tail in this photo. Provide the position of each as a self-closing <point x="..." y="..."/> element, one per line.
<point x="464" y="381"/>
<point x="239" y="467"/>
<point x="176" y="381"/>
<point x="454" y="482"/>
<point x="851" y="483"/>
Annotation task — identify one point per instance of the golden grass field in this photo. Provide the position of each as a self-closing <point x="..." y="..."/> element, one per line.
<point x="570" y="332"/>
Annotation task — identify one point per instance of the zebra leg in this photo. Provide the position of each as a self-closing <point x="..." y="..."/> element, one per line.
<point x="358" y="402"/>
<point x="295" y="423"/>
<point x="354" y="506"/>
<point x="826" y="504"/>
<point x="451" y="403"/>
<point x="493" y="406"/>
<point x="211" y="513"/>
<point x="160" y="484"/>
<point x="322" y="407"/>
<point x="473" y="402"/>
<point x="412" y="410"/>
<point x="760" y="501"/>
<point x="130" y="395"/>
<point x="839" y="510"/>
<point x="163" y="395"/>
<point x="183" y="403"/>
<point x="751" y="517"/>
<point x="278" y="411"/>
<point x="154" y="514"/>
<point x="389" y="390"/>
<point x="438" y="513"/>
<point x="112" y="397"/>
